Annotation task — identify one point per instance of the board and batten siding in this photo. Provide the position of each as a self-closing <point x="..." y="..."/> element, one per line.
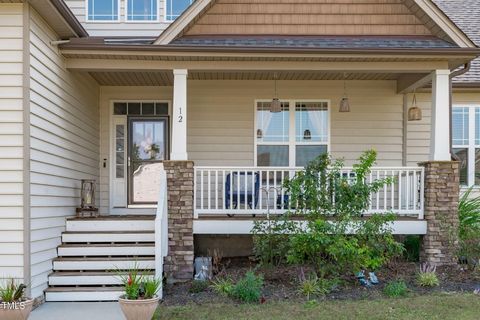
<point x="64" y="145"/>
<point x="121" y="27"/>
<point x="11" y="141"/>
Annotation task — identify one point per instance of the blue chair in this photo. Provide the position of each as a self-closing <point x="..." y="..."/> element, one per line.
<point x="236" y="192"/>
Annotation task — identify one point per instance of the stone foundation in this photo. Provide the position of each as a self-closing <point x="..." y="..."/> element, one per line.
<point x="178" y="264"/>
<point x="442" y="188"/>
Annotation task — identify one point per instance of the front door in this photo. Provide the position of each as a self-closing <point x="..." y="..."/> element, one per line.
<point x="147" y="147"/>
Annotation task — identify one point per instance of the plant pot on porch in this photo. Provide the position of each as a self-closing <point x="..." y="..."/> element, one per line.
<point x="18" y="310"/>
<point x="142" y="309"/>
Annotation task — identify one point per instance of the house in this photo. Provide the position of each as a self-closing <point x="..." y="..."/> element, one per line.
<point x="211" y="105"/>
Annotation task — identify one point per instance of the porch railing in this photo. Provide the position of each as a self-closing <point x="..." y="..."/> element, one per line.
<point x="254" y="190"/>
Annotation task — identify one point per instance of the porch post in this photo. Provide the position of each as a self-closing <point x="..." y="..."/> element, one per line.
<point x="440" y="133"/>
<point x="179" y="120"/>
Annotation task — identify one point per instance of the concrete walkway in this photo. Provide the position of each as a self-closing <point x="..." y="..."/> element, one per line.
<point x="78" y="311"/>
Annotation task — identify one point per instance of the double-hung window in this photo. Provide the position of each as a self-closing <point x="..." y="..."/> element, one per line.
<point x="103" y="10"/>
<point x="142" y="10"/>
<point x="466" y="142"/>
<point x="292" y="137"/>
<point x="174" y="8"/>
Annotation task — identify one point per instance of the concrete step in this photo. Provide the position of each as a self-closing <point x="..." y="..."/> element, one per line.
<point x="102" y="264"/>
<point x="108" y="236"/>
<point x="111" y="223"/>
<point x="83" y="293"/>
<point x="86" y="250"/>
<point x="88" y="278"/>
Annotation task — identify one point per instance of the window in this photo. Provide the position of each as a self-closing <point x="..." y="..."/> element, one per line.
<point x="174" y="8"/>
<point x="102" y="10"/>
<point x="140" y="108"/>
<point x="466" y="142"/>
<point x="292" y="137"/>
<point x="142" y="10"/>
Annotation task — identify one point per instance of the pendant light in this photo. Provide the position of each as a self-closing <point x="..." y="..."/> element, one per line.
<point x="275" y="105"/>
<point x="344" y="103"/>
<point x="414" y="112"/>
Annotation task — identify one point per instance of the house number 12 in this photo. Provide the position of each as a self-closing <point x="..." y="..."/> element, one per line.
<point x="180" y="117"/>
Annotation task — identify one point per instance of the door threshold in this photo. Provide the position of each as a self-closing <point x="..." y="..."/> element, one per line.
<point x="142" y="206"/>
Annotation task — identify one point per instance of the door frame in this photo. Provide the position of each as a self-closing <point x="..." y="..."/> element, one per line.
<point x="166" y="132"/>
<point x="109" y="160"/>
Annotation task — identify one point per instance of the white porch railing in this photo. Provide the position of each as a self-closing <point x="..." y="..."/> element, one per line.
<point x="252" y="190"/>
<point x="161" y="229"/>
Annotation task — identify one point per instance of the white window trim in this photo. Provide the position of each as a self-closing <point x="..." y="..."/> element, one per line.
<point x="292" y="143"/>
<point x="111" y="160"/>
<point x="165" y="9"/>
<point x="471" y="146"/>
<point x="103" y="21"/>
<point x="142" y="21"/>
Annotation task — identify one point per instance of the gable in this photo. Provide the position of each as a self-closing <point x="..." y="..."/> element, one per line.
<point x="308" y="17"/>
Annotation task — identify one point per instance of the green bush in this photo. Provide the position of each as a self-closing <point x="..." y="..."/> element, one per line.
<point x="314" y="286"/>
<point x="223" y="287"/>
<point x="396" y="289"/>
<point x="249" y="288"/>
<point x="427" y="279"/>
<point x="198" y="286"/>
<point x="469" y="230"/>
<point x="332" y="205"/>
<point x="11" y="291"/>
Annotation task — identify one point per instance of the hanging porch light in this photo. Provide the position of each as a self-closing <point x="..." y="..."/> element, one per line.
<point x="275" y="105"/>
<point x="414" y="112"/>
<point x="344" y="103"/>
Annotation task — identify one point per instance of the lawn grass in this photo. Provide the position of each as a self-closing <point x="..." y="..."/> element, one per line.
<point x="435" y="306"/>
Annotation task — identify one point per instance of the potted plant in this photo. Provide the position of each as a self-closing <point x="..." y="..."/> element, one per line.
<point x="13" y="303"/>
<point x="140" y="299"/>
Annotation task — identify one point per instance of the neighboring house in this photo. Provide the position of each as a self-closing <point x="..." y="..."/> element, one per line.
<point x="122" y="92"/>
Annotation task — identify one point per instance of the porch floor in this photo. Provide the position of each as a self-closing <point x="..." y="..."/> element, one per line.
<point x="78" y="311"/>
<point x="116" y="217"/>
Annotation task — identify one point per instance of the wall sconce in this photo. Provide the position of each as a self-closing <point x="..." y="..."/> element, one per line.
<point x="259" y="134"/>
<point x="307" y="135"/>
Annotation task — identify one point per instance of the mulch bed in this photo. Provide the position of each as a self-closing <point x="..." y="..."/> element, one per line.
<point x="281" y="283"/>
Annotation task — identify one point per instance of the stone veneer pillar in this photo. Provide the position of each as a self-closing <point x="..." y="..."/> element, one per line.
<point x="442" y="188"/>
<point x="178" y="264"/>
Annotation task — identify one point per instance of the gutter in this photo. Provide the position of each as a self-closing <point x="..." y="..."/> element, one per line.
<point x="454" y="74"/>
<point x="69" y="17"/>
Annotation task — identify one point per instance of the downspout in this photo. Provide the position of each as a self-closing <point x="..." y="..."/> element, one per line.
<point x="454" y="74"/>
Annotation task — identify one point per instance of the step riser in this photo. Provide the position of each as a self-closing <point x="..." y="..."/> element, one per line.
<point x="110" y="225"/>
<point x="79" y="280"/>
<point x="102" y="265"/>
<point x="106" y="251"/>
<point x="83" y="296"/>
<point x="108" y="237"/>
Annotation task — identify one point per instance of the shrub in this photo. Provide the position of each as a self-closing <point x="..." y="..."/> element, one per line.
<point x="396" y="289"/>
<point x="314" y="286"/>
<point x="469" y="229"/>
<point x="333" y="204"/>
<point x="198" y="286"/>
<point x="223" y="287"/>
<point x="427" y="276"/>
<point x="249" y="288"/>
<point x="12" y="291"/>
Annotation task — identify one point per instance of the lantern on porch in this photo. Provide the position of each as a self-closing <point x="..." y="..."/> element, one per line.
<point x="275" y="105"/>
<point x="88" y="194"/>
<point x="344" y="103"/>
<point x="414" y="112"/>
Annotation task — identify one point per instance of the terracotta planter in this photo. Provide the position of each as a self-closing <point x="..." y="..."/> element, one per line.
<point x="138" y="309"/>
<point x="16" y="311"/>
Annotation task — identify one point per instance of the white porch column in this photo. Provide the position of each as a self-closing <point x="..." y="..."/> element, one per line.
<point x="440" y="133"/>
<point x="179" y="119"/>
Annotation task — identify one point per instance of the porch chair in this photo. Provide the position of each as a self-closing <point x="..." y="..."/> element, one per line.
<point x="236" y="192"/>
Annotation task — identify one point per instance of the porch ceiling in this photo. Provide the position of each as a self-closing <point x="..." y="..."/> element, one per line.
<point x="165" y="78"/>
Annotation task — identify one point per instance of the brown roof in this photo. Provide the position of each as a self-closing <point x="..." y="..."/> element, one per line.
<point x="466" y="15"/>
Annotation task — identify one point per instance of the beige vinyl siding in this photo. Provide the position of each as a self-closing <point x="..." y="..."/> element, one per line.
<point x="221" y="118"/>
<point x="64" y="131"/>
<point x="119" y="28"/>
<point x="11" y="141"/>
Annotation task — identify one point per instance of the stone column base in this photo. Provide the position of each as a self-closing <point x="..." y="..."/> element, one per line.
<point x="178" y="264"/>
<point x="442" y="187"/>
